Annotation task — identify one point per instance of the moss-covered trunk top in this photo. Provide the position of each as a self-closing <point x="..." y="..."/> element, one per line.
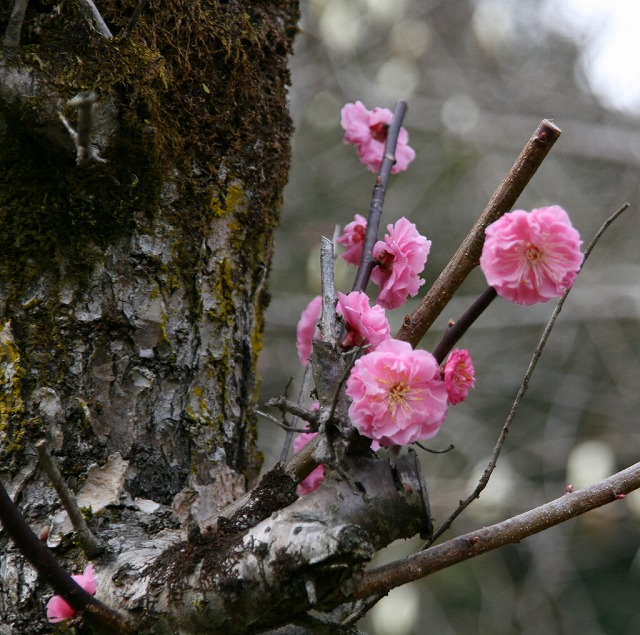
<point x="132" y="292"/>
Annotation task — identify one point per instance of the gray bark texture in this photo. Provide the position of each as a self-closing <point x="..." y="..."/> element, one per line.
<point x="141" y="177"/>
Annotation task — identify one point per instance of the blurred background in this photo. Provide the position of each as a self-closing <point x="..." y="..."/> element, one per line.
<point x="479" y="76"/>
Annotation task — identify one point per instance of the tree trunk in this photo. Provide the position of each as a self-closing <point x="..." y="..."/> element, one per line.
<point x="132" y="291"/>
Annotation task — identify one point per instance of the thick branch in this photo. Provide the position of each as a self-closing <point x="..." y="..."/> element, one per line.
<point x="424" y="563"/>
<point x="466" y="258"/>
<point x="11" y="40"/>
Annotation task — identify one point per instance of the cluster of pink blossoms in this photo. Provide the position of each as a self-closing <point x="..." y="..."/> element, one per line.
<point x="364" y="324"/>
<point x="531" y="257"/>
<point x="367" y="130"/>
<point x="58" y="610"/>
<point x="400" y="257"/>
<point x="400" y="395"/>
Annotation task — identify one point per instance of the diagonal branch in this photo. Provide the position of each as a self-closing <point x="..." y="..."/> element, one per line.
<point x="466" y="258"/>
<point x="513" y="530"/>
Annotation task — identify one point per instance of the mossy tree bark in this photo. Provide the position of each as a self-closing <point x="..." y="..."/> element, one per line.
<point x="132" y="292"/>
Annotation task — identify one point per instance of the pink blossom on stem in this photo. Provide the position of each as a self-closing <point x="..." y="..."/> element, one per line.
<point x="531" y="257"/>
<point x="397" y="394"/>
<point x="363" y="323"/>
<point x="367" y="129"/>
<point x="402" y="256"/>
<point x="58" y="610"/>
<point x="306" y="329"/>
<point x="353" y="239"/>
<point x="459" y="375"/>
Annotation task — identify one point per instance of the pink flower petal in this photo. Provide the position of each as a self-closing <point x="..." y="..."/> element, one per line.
<point x="397" y="394"/>
<point x="363" y="323"/>
<point x="352" y="238"/>
<point x="531" y="257"/>
<point x="306" y="329"/>
<point x="459" y="375"/>
<point x="368" y="131"/>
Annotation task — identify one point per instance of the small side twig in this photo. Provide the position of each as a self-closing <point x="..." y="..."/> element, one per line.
<point x="11" y="40"/>
<point x="466" y="258"/>
<point x="304" y="389"/>
<point x="286" y="405"/>
<point x="488" y="471"/>
<point x="89" y="543"/>
<point x="377" y="200"/>
<point x="461" y="326"/>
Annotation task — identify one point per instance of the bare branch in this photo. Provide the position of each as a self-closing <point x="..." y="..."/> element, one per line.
<point x="513" y="530"/>
<point x="486" y="475"/>
<point x="329" y="299"/>
<point x="91" y="545"/>
<point x="377" y="199"/>
<point x="466" y="258"/>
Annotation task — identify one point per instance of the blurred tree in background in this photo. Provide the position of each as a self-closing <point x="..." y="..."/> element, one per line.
<point x="478" y="77"/>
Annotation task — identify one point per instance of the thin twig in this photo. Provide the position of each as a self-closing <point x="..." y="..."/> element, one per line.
<point x="92" y="13"/>
<point x="304" y="389"/>
<point x="286" y="405"/>
<point x="486" y="475"/>
<point x="98" y="614"/>
<point x="281" y="424"/>
<point x="89" y="543"/>
<point x="513" y="530"/>
<point x="11" y="40"/>
<point x="466" y="258"/>
<point x="377" y="200"/>
<point x="460" y="327"/>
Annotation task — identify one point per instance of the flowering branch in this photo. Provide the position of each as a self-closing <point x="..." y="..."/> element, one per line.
<point x="377" y="200"/>
<point x="103" y="618"/>
<point x="513" y="530"/>
<point x="91" y="545"/>
<point x="488" y="471"/>
<point x="466" y="258"/>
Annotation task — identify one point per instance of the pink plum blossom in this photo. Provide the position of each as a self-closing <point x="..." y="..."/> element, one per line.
<point x="363" y="323"/>
<point x="402" y="255"/>
<point x="306" y="329"/>
<point x="531" y="257"/>
<point x="397" y="394"/>
<point x="353" y="239"/>
<point x="367" y="129"/>
<point x="459" y="375"/>
<point x="58" y="610"/>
